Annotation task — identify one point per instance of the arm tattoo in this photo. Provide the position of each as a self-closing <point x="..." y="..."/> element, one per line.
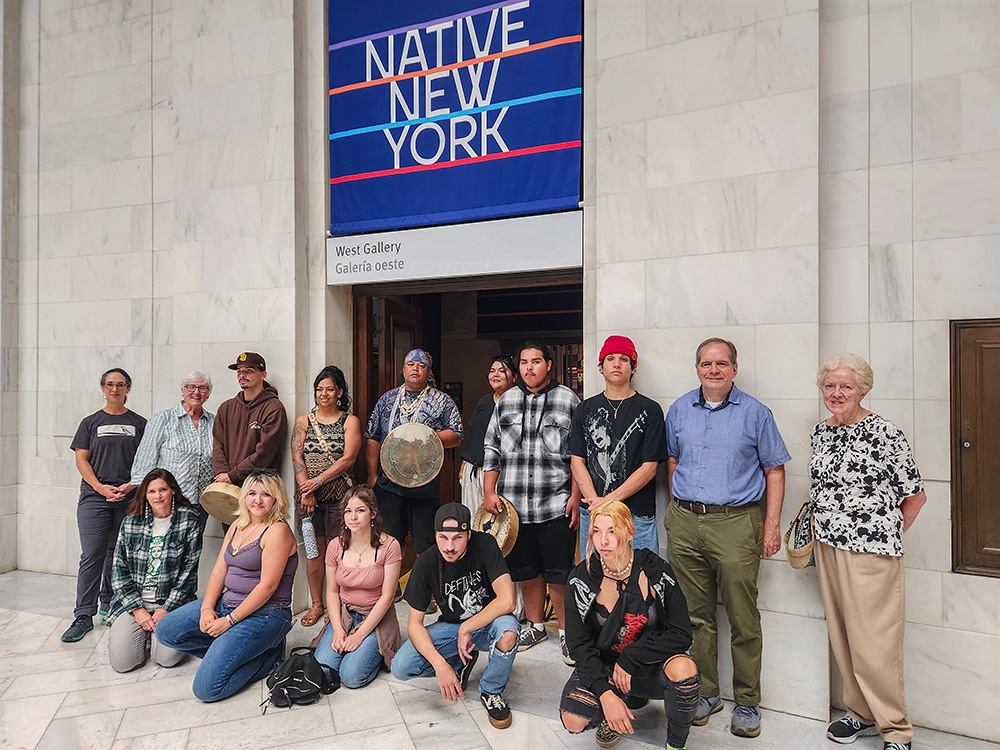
<point x="298" y="437"/>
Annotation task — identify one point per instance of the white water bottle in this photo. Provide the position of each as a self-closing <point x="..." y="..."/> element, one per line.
<point x="309" y="538"/>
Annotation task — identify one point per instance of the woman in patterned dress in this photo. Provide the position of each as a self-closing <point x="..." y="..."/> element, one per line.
<point x="866" y="491"/>
<point x="325" y="444"/>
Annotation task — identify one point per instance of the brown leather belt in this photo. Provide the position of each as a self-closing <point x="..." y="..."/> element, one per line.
<point x="701" y="509"/>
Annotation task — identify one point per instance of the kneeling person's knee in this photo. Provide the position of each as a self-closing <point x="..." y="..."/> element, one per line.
<point x="574" y="724"/>
<point x="507" y="642"/>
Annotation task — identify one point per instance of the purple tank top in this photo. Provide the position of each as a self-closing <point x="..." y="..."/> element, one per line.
<point x="244" y="574"/>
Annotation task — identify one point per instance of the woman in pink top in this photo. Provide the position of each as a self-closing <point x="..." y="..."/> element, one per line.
<point x="362" y="571"/>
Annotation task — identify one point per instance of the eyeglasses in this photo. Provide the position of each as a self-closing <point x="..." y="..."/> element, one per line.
<point x="199" y="388"/>
<point x="114" y="385"/>
<point x="263" y="473"/>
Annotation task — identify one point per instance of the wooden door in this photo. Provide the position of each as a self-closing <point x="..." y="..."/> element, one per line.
<point x="975" y="355"/>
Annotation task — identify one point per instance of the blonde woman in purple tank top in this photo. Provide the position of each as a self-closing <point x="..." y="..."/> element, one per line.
<point x="238" y="630"/>
<point x="362" y="571"/>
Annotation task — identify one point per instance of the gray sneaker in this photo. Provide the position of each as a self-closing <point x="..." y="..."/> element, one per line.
<point x="746" y="721"/>
<point x="706" y="707"/>
<point x="569" y="660"/>
<point x="530" y="636"/>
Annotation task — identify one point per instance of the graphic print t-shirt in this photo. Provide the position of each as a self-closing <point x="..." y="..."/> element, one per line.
<point x="615" y="446"/>
<point x="461" y="589"/>
<point x="112" y="440"/>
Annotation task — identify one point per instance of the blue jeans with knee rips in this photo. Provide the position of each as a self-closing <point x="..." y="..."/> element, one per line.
<point x="409" y="662"/>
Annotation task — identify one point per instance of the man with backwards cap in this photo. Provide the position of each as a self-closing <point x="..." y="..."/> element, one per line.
<point x="617" y="441"/>
<point x="410" y="509"/>
<point x="466" y="574"/>
<point x="250" y="428"/>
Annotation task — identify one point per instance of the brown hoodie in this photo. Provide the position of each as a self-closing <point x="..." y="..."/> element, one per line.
<point x="248" y="436"/>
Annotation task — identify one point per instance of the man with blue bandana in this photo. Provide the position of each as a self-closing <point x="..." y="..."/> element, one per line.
<point x="410" y="509"/>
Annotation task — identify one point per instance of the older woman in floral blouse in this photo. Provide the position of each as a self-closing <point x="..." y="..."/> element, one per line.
<point x="866" y="491"/>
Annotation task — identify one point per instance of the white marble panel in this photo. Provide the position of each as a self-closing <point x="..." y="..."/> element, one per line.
<point x="891" y="282"/>
<point x="892" y="360"/>
<point x="927" y="544"/>
<point x="142" y="39"/>
<point x="84" y="323"/>
<point x="763" y="135"/>
<point x="843" y="209"/>
<point x="176" y="740"/>
<point x="788" y="54"/>
<point x="786" y="356"/>
<point x="690" y="75"/>
<point x="938" y="505"/>
<point x="788" y="208"/>
<point x="744" y="289"/>
<point x="834" y="10"/>
<point x="55" y="191"/>
<point x="843" y="285"/>
<point x="956" y="278"/>
<point x="956" y="197"/>
<point x="671" y="22"/>
<point x="954" y="37"/>
<point x="620" y="28"/>
<point x="924" y="596"/>
<point x="897" y="411"/>
<point x="843" y="54"/>
<point x="111" y="92"/>
<point x="119" y="183"/>
<point x="891" y="219"/>
<point x="56" y="285"/>
<point x="277" y="100"/>
<point x="165" y="230"/>
<point x="890" y="125"/>
<point x="795" y="665"/>
<point x="41" y="543"/>
<point x="843" y="132"/>
<point x="278" y="207"/>
<point x="374" y="706"/>
<point x="219" y="110"/>
<point x="218" y="214"/>
<point x="232" y="316"/>
<point x="200" y="19"/>
<point x="948" y="685"/>
<point x="971" y="603"/>
<point x="24" y="721"/>
<point x="264" y="731"/>
<point x="55" y="103"/>
<point x="621" y="294"/>
<point x="930" y="355"/>
<point x="165" y="717"/>
<point x="94" y="232"/>
<point x="621" y="158"/>
<point x="428" y="716"/>
<point x="395" y="736"/>
<point x="795" y="418"/>
<point x="111" y="277"/>
<point x="87" y="51"/>
<point x="981" y="110"/>
<point x="85" y="732"/>
<point x="707" y="217"/>
<point x="937" y="117"/>
<point x="784" y="590"/>
<point x="889" y="46"/>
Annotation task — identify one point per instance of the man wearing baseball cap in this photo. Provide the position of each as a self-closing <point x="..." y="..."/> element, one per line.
<point x="466" y="574"/>
<point x="250" y="428"/>
<point x="617" y="441"/>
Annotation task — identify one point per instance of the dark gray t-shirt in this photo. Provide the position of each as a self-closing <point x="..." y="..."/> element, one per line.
<point x="112" y="440"/>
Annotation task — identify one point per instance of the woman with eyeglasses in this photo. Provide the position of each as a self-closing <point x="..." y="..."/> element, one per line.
<point x="105" y="445"/>
<point x="155" y="570"/>
<point x="179" y="439"/>
<point x="502" y="376"/>
<point x="238" y="629"/>
<point x="325" y="444"/>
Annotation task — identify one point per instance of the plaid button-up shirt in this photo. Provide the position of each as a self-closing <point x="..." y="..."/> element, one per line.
<point x="178" y="579"/>
<point x="527" y="441"/>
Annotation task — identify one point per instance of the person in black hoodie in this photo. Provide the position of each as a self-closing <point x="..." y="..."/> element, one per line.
<point x="250" y="428"/>
<point x="628" y="630"/>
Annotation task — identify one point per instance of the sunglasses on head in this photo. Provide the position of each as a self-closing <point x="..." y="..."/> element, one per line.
<point x="263" y="473"/>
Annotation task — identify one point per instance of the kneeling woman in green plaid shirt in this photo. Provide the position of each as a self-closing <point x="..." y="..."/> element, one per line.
<point x="155" y="570"/>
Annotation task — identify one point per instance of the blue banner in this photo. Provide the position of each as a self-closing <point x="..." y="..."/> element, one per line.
<point x="445" y="111"/>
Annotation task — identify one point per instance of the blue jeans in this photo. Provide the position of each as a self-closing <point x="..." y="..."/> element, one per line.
<point x="645" y="533"/>
<point x="409" y="663"/>
<point x="243" y="654"/>
<point x="357" y="668"/>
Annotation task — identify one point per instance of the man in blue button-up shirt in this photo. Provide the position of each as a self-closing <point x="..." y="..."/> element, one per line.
<point x="725" y="457"/>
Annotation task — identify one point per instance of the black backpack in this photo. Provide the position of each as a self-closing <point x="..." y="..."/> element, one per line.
<point x="299" y="680"/>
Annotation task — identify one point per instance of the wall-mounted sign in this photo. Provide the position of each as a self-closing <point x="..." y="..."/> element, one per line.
<point x="444" y="111"/>
<point x="527" y="243"/>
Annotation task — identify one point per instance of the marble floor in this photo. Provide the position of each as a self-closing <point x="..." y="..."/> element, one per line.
<point x="64" y="696"/>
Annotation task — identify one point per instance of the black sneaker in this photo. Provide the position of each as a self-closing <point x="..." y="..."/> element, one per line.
<point x="466" y="671"/>
<point x="567" y="659"/>
<point x="606" y="736"/>
<point x="80" y="627"/>
<point x="496" y="708"/>
<point x="848" y="729"/>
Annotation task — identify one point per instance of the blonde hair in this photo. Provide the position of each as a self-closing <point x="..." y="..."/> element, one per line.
<point x="621" y="522"/>
<point x="274" y="487"/>
<point x="863" y="375"/>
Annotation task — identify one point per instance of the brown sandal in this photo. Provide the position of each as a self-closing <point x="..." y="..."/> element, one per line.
<point x="311" y="617"/>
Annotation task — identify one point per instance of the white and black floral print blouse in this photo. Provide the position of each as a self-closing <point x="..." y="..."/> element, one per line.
<point x="860" y="474"/>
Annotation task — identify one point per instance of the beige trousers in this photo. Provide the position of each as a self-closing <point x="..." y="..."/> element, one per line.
<point x="863" y="596"/>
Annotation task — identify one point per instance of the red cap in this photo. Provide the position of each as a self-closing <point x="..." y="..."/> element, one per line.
<point x="619" y="345"/>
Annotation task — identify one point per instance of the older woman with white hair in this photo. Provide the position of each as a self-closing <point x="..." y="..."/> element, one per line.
<point x="866" y="491"/>
<point x="179" y="439"/>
